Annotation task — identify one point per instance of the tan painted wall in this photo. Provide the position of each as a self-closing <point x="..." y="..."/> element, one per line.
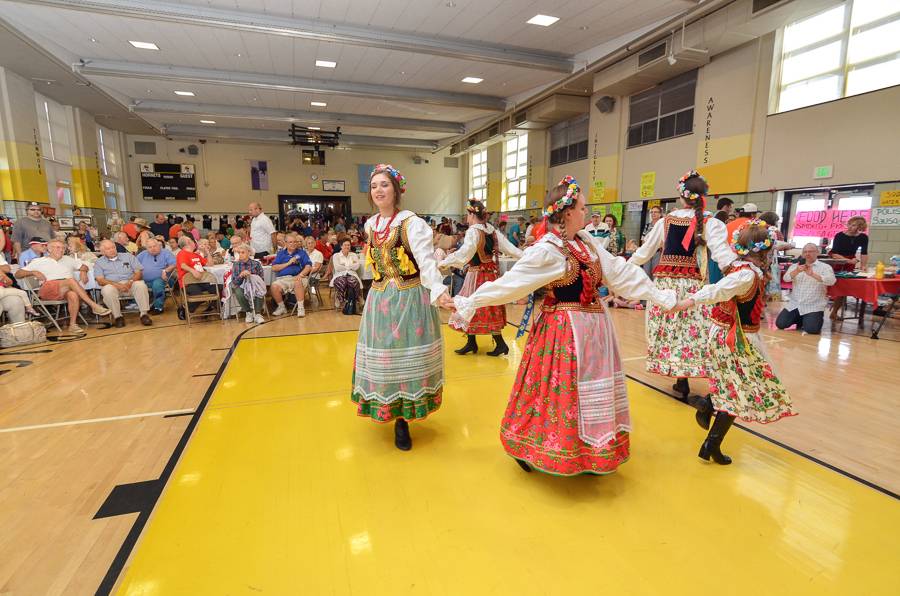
<point x="22" y="176"/>
<point x="223" y="177"/>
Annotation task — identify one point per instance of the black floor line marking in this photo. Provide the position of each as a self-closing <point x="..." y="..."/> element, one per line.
<point x="179" y="415"/>
<point x="118" y="562"/>
<point x="204" y="375"/>
<point x="129" y="498"/>
<point x="4" y="354"/>
<point x="219" y="349"/>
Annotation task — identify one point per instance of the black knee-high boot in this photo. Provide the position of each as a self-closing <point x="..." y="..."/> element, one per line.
<point x="712" y="446"/>
<point x="704" y="413"/>
<point x="681" y="386"/>
<point x="500" y="346"/>
<point x="401" y="435"/>
<point x="471" y="346"/>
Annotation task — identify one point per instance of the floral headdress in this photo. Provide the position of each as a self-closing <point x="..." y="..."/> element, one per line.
<point x="760" y="246"/>
<point x="684" y="192"/>
<point x="386" y="168"/>
<point x="475" y="206"/>
<point x="572" y="190"/>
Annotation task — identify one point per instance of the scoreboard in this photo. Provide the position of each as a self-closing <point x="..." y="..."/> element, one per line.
<point x="168" y="182"/>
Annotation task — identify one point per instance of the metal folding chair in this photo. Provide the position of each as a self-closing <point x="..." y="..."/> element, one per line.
<point x="214" y="297"/>
<point x="32" y="286"/>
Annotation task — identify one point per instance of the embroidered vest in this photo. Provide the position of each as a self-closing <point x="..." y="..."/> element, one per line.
<point x="569" y="291"/>
<point x="675" y="261"/>
<point x="746" y="308"/>
<point x="392" y="260"/>
<point x="486" y="250"/>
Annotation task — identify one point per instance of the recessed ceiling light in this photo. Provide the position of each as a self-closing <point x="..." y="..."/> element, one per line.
<point x="185" y="93"/>
<point x="94" y="40"/>
<point x="313" y="128"/>
<point x="238" y="55"/>
<point x="450" y="4"/>
<point x="584" y="27"/>
<point x="542" y="20"/>
<point x="326" y="63"/>
<point x="318" y="104"/>
<point x="207" y="122"/>
<point x="472" y="80"/>
<point x="144" y="45"/>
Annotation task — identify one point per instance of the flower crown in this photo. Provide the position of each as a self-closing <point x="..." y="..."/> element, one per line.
<point x="572" y="190"/>
<point x="760" y="246"/>
<point x="392" y="172"/>
<point x="682" y="188"/>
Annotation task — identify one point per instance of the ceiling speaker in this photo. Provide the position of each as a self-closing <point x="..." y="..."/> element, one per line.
<point x="606" y="104"/>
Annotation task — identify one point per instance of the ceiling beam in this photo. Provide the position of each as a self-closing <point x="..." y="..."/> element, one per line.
<point x="135" y="70"/>
<point x="252" y="22"/>
<point x="278" y="115"/>
<point x="283" y="136"/>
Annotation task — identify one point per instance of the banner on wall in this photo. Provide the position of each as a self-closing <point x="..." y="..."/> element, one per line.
<point x="885" y="217"/>
<point x="259" y="175"/>
<point x="825" y="223"/>
<point x="362" y="171"/>
<point x="890" y="198"/>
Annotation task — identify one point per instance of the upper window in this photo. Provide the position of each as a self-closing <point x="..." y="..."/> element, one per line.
<point x="516" y="161"/>
<point x="479" y="175"/>
<point x="109" y="152"/>
<point x="849" y="49"/>
<point x="54" y="127"/>
<point x="663" y="112"/>
<point x="569" y="141"/>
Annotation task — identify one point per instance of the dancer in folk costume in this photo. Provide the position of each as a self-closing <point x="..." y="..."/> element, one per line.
<point x="399" y="370"/>
<point x="568" y="411"/>
<point x="675" y="347"/>
<point x="480" y="249"/>
<point x="741" y="381"/>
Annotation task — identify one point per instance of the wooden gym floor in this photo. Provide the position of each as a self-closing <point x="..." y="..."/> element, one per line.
<point x="275" y="486"/>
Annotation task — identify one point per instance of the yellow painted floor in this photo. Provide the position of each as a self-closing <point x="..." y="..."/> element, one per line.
<point x="283" y="490"/>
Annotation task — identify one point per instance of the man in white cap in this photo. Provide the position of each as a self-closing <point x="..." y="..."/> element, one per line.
<point x="33" y="225"/>
<point x="748" y="212"/>
<point x="598" y="229"/>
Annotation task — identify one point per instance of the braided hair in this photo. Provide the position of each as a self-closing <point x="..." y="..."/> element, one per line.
<point x="693" y="188"/>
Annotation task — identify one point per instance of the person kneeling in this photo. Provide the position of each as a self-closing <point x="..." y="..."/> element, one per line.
<point x="806" y="307"/>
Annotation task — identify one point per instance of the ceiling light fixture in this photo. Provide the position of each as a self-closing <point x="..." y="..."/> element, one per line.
<point x="318" y="104"/>
<point x="94" y="40"/>
<point x="326" y="63"/>
<point x="185" y="93"/>
<point x="207" y="122"/>
<point x="314" y="128"/>
<point x="144" y="45"/>
<point x="472" y="80"/>
<point x="542" y="20"/>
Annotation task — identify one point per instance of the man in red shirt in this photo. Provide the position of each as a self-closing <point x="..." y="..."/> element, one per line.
<point x="748" y="212"/>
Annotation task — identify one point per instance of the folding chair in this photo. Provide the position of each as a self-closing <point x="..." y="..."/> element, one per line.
<point x="32" y="286"/>
<point x="214" y="297"/>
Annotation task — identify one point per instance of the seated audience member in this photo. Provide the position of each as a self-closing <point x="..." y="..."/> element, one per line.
<point x="13" y="301"/>
<point x="188" y="227"/>
<point x="355" y="241"/>
<point x="323" y="245"/>
<point x="120" y="274"/>
<point x="279" y="241"/>
<point x="86" y="235"/>
<point x="37" y="247"/>
<point x="291" y="267"/>
<point x="346" y="282"/>
<point x="315" y="256"/>
<point x="79" y="251"/>
<point x="241" y="270"/>
<point x="810" y="280"/>
<point x="123" y="243"/>
<point x="223" y="241"/>
<point x="55" y="273"/>
<point x="160" y="225"/>
<point x="191" y="273"/>
<point x="173" y="246"/>
<point x="159" y="269"/>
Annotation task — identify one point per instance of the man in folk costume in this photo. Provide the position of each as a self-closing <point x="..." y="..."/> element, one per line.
<point x="675" y="347"/>
<point x="480" y="250"/>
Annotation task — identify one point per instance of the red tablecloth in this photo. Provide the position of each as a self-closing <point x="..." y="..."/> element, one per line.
<point x="865" y="289"/>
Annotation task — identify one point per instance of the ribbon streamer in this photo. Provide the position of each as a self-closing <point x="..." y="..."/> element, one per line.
<point x="523" y="326"/>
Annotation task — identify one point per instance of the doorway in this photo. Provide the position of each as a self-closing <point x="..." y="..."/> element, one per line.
<point x="316" y="206"/>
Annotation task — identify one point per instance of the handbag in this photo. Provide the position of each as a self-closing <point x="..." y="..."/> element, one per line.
<point x="21" y="334"/>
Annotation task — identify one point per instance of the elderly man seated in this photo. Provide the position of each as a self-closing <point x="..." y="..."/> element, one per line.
<point x="809" y="298"/>
<point x="55" y="273"/>
<point x="158" y="272"/>
<point x="291" y="267"/>
<point x="241" y="270"/>
<point x="120" y="274"/>
<point x="37" y="247"/>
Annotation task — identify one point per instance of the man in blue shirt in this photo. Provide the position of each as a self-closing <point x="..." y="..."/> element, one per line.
<point x="119" y="274"/>
<point x="159" y="267"/>
<point x="292" y="267"/>
<point x="37" y="247"/>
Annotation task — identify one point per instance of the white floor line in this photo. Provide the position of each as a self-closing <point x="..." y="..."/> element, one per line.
<point x="633" y="358"/>
<point x="93" y="420"/>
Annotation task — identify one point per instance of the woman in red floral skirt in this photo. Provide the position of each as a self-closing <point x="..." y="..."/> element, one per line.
<point x="480" y="249"/>
<point x="568" y="411"/>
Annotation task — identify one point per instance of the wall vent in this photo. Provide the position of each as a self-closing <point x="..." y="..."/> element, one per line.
<point x="144" y="148"/>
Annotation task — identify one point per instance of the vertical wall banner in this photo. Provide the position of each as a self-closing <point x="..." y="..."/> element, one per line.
<point x="710" y="105"/>
<point x="362" y="171"/>
<point x="259" y="175"/>
<point x="648" y="184"/>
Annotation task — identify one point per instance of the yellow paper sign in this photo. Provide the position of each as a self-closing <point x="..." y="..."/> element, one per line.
<point x="598" y="191"/>
<point x="890" y="198"/>
<point x="654" y="203"/>
<point x="648" y="184"/>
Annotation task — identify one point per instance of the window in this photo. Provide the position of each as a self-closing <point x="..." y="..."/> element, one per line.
<point x="846" y="50"/>
<point x="479" y="175"/>
<point x="516" y="170"/>
<point x="108" y="150"/>
<point x="663" y="112"/>
<point x="569" y="141"/>
<point x="53" y="123"/>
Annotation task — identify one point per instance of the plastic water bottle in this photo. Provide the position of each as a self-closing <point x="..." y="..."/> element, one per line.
<point x="858" y="265"/>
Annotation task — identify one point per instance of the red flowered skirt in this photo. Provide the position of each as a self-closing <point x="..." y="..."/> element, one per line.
<point x="489" y="320"/>
<point x="541" y="421"/>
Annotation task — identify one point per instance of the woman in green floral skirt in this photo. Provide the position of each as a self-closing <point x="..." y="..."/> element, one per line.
<point x="399" y="368"/>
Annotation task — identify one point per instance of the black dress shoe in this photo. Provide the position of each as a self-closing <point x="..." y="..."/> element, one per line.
<point x="524" y="465"/>
<point x="146" y="321"/>
<point x="402" y="439"/>
<point x="119" y="322"/>
<point x="155" y="312"/>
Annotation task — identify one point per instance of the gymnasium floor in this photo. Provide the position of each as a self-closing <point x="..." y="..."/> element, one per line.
<point x="270" y="484"/>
